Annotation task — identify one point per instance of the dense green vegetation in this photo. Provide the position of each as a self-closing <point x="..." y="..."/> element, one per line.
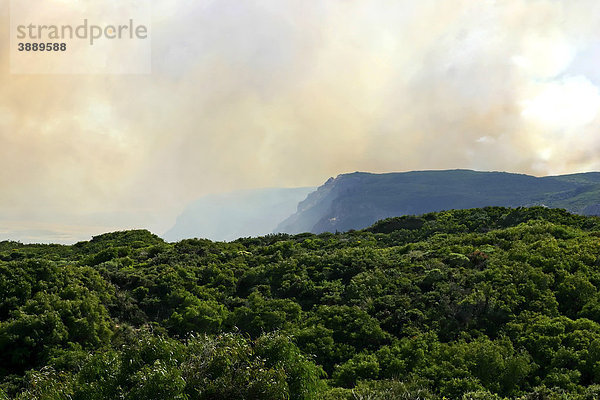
<point x="474" y="304"/>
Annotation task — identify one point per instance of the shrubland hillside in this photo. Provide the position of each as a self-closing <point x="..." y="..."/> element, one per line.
<point x="485" y="303"/>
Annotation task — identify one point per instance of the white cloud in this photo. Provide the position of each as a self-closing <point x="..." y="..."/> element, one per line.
<point x="564" y="104"/>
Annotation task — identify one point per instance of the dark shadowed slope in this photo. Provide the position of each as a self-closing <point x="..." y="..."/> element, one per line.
<point x="357" y="200"/>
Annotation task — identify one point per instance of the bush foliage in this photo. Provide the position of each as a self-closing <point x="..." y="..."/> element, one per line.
<point x="490" y="303"/>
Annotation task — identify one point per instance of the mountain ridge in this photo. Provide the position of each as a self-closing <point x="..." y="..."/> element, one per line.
<point x="357" y="200"/>
<point x="228" y="216"/>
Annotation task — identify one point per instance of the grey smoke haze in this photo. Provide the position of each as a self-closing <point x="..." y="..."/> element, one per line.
<point x="239" y="214"/>
<point x="285" y="93"/>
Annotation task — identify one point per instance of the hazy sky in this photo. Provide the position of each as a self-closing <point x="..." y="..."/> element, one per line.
<point x="264" y="93"/>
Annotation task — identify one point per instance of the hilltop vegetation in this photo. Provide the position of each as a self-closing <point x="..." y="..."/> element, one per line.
<point x="486" y="303"/>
